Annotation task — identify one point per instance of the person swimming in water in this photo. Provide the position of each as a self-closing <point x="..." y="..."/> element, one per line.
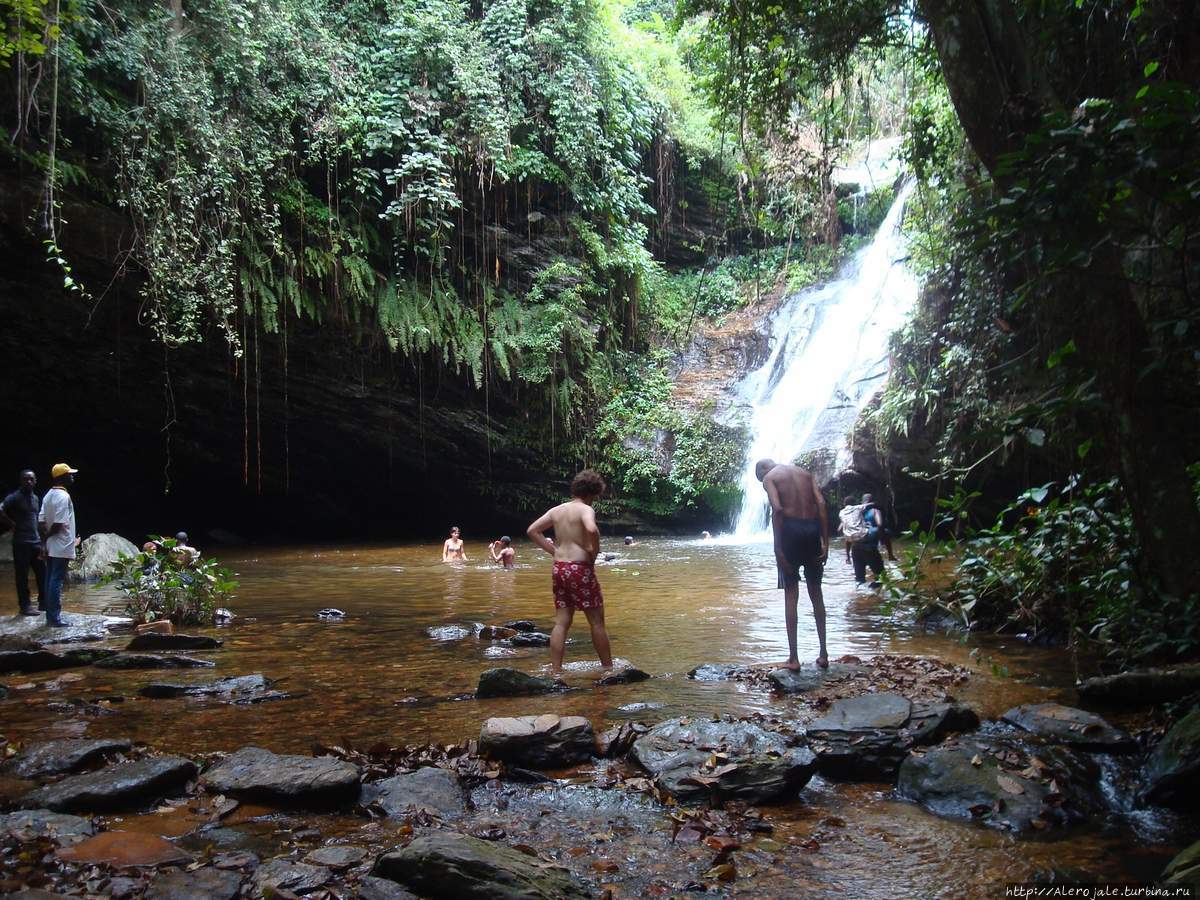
<point x="503" y="553"/>
<point x="453" y="549"/>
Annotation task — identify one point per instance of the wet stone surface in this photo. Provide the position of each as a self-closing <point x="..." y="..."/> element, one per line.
<point x="431" y="789"/>
<point x="506" y="682"/>
<point x="253" y="773"/>
<point x="67" y="755"/>
<point x="547" y="741"/>
<point x="208" y="883"/>
<point x="153" y="661"/>
<point x="124" y="785"/>
<point x="1067" y="725"/>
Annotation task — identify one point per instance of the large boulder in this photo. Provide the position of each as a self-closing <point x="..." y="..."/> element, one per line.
<point x="540" y="742"/>
<point x="1142" y="687"/>
<point x="1172" y="776"/>
<point x="866" y="738"/>
<point x="1068" y="725"/>
<point x="97" y="553"/>
<point x="698" y="759"/>
<point x="974" y="780"/>
<point x="443" y="864"/>
<point x="505" y="682"/>
<point x="300" y="781"/>
<point x="26" y="661"/>
<point x="123" y="786"/>
<point x="430" y="789"/>
<point x="153" y="661"/>
<point x="152" y="641"/>
<point x="66" y="755"/>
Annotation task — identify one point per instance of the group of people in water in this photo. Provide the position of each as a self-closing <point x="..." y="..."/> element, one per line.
<point x="800" y="527"/>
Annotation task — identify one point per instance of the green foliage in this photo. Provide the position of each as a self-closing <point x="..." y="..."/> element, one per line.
<point x="25" y="28"/>
<point x="170" y="584"/>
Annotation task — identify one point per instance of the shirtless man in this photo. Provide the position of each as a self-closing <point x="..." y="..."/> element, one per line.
<point x="574" y="548"/>
<point x="452" y="549"/>
<point x="801" y="527"/>
<point x="506" y="555"/>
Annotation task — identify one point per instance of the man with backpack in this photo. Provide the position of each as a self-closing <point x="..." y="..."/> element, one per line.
<point x="862" y="525"/>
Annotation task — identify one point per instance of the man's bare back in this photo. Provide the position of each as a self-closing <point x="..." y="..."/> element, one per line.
<point x="576" y="538"/>
<point x="796" y="490"/>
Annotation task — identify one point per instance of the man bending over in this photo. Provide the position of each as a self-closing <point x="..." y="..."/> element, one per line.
<point x="801" y="527"/>
<point x="574" y="548"/>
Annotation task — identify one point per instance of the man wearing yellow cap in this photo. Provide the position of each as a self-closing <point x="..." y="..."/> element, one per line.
<point x="56" y="522"/>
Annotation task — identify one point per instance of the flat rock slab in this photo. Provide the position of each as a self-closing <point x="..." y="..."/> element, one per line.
<point x="717" y="672"/>
<point x="867" y="738"/>
<point x="445" y="864"/>
<point x="430" y="789"/>
<point x="1068" y="725"/>
<point x="531" y="639"/>
<point x="203" y="884"/>
<point x="627" y="675"/>
<point x="809" y="678"/>
<point x="237" y="689"/>
<point x="506" y="682"/>
<point x="698" y="759"/>
<point x="32" y="823"/>
<point x="80" y="628"/>
<point x="1172" y="775"/>
<point x="371" y="887"/>
<point x="1142" y="687"/>
<point x="67" y="755"/>
<point x="123" y="786"/>
<point x="304" y="781"/>
<point x="540" y="742"/>
<point x="967" y="781"/>
<point x="153" y="661"/>
<point x="336" y="856"/>
<point x="121" y="849"/>
<point x="151" y="641"/>
<point x="25" y="661"/>
<point x="285" y="875"/>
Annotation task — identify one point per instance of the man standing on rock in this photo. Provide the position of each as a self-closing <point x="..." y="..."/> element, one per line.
<point x="56" y="522"/>
<point x="801" y="528"/>
<point x="19" y="511"/>
<point x="574" y="548"/>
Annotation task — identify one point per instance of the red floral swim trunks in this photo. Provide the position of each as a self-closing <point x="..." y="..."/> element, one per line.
<point x="576" y="586"/>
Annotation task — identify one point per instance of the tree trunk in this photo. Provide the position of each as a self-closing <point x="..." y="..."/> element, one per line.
<point x="1000" y="90"/>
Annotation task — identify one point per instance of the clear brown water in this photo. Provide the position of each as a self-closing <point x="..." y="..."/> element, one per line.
<point x="386" y="673"/>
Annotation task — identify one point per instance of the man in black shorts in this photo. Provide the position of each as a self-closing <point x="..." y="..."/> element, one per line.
<point x="800" y="524"/>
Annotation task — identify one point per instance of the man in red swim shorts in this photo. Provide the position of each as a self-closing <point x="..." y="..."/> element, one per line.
<point x="574" y="548"/>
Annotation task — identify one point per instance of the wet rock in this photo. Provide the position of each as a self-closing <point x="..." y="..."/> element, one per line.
<point x="203" y="884"/>
<point x="866" y="738"/>
<point x="26" y="661"/>
<point x="696" y="759"/>
<point x="497" y="633"/>
<point x="619" y="741"/>
<point x="1067" y="725"/>
<point x="531" y="639"/>
<point x="28" y="824"/>
<point x="280" y="875"/>
<point x="330" y="614"/>
<point x="35" y="633"/>
<point x="448" y="632"/>
<point x="968" y="781"/>
<point x="162" y="626"/>
<point x="239" y="689"/>
<point x="505" y="682"/>
<point x="1185" y="868"/>
<point x="123" y="849"/>
<point x="97" y="553"/>
<point x="716" y="672"/>
<point x="373" y="888"/>
<point x="627" y="675"/>
<point x="238" y="859"/>
<point x="173" y="642"/>
<point x="35" y="894"/>
<point x="541" y="742"/>
<point x="809" y="678"/>
<point x="256" y="774"/>
<point x="445" y="864"/>
<point x="1172" y="775"/>
<point x="520" y="625"/>
<point x="436" y="791"/>
<point x="123" y="786"/>
<point x="1143" y="687"/>
<point x="18" y="642"/>
<point x="67" y="755"/>
<point x="336" y="856"/>
<point x="153" y="661"/>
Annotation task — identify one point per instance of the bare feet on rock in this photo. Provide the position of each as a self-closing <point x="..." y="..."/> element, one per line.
<point x="793" y="664"/>
<point x="822" y="662"/>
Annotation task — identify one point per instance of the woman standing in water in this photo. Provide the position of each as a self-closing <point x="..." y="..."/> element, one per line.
<point x="452" y="550"/>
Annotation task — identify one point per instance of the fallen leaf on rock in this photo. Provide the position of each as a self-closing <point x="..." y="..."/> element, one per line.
<point x="834" y="822"/>
<point x="605" y="867"/>
<point x="526" y="849"/>
<point x="689" y="835"/>
<point x="576" y="852"/>
<point x="723" y="872"/>
<point x="722" y="843"/>
<point x="1039" y="824"/>
<point x="976" y="760"/>
<point x="1009" y="785"/>
<point x="812" y="845"/>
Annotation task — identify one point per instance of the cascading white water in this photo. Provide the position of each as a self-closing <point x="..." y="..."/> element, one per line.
<point x="829" y="354"/>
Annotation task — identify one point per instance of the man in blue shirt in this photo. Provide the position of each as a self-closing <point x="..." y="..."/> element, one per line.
<point x="19" y="511"/>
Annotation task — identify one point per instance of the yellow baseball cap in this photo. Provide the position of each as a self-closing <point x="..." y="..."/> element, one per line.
<point x="61" y="469"/>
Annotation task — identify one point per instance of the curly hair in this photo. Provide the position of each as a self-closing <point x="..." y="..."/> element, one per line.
<point x="587" y="483"/>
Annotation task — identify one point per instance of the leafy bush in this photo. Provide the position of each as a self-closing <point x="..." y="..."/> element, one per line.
<point x="171" y="584"/>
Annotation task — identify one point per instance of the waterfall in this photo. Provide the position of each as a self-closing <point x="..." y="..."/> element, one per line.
<point x="829" y="356"/>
